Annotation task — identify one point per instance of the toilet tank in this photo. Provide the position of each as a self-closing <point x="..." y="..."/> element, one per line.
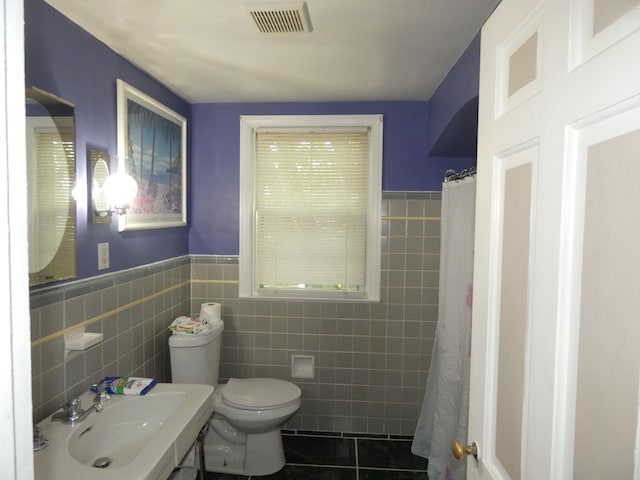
<point x="196" y="358"/>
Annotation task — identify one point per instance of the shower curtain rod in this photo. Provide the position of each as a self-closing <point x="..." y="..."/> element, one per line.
<point x="451" y="175"/>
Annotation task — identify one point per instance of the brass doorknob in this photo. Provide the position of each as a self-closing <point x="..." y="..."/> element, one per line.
<point x="459" y="449"/>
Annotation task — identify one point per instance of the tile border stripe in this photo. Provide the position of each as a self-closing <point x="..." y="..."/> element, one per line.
<point x="97" y="318"/>
<point x="388" y="217"/>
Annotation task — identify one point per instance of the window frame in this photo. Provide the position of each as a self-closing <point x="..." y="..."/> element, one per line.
<point x="249" y="126"/>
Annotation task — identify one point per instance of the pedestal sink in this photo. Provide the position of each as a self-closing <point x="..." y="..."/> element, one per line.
<point x="134" y="437"/>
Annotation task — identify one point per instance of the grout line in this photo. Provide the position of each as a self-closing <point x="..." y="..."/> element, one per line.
<point x="382" y="469"/>
<point x="350" y="435"/>
<point x="357" y="459"/>
<point x="390" y="217"/>
<point x="320" y="465"/>
<point x="357" y="467"/>
<point x="216" y="281"/>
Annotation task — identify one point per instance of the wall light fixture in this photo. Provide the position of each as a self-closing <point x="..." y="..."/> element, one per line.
<point x="120" y="189"/>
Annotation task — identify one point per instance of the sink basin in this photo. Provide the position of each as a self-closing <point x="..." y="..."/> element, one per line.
<point x="125" y="429"/>
<point x="138" y="437"/>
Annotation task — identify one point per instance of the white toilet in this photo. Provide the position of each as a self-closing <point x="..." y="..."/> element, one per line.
<point x="244" y="432"/>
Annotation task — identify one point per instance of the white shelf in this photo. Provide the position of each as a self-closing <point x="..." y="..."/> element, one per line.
<point x="81" y="340"/>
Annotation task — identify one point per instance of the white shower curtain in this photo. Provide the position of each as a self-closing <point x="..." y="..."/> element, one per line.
<point x="444" y="414"/>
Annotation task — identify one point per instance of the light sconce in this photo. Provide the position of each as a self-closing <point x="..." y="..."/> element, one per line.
<point x="120" y="189"/>
<point x="111" y="194"/>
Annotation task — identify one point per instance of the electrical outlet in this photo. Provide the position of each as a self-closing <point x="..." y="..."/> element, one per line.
<point x="103" y="255"/>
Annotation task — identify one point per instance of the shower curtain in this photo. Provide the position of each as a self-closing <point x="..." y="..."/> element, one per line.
<point x="444" y="414"/>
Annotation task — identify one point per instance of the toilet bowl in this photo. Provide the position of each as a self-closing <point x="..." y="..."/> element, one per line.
<point x="244" y="435"/>
<point x="257" y="405"/>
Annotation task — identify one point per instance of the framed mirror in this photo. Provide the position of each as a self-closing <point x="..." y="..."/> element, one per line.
<point x="51" y="174"/>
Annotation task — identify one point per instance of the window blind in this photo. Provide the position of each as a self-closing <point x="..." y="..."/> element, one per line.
<point x="51" y="206"/>
<point x="311" y="194"/>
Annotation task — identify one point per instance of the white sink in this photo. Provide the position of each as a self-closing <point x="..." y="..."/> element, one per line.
<point x="144" y="437"/>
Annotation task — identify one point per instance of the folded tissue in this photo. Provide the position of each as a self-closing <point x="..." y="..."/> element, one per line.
<point x="127" y="385"/>
<point x="190" y="326"/>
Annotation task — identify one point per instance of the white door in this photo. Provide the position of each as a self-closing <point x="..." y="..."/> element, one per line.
<point x="556" y="331"/>
<point x="16" y="444"/>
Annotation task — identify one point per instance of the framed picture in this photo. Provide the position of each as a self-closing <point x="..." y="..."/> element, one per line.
<point x="152" y="148"/>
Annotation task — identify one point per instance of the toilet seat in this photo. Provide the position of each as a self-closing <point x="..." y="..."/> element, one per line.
<point x="259" y="393"/>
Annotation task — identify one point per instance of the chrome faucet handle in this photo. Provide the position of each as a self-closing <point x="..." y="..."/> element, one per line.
<point x="101" y="392"/>
<point x="71" y="413"/>
<point x="39" y="442"/>
<point x="72" y="406"/>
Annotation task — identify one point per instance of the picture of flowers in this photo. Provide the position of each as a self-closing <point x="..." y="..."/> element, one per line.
<point x="152" y="144"/>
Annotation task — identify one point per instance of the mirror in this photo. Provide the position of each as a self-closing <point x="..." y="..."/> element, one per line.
<point x="51" y="175"/>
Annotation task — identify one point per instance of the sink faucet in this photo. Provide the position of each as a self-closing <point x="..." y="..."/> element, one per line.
<point x="72" y="412"/>
<point x="101" y="392"/>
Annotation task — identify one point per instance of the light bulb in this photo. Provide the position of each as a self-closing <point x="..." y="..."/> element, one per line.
<point x="120" y="189"/>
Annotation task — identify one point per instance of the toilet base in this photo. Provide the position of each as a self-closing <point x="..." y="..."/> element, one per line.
<point x="261" y="454"/>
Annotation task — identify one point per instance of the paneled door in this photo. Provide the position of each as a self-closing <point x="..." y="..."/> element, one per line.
<point x="555" y="361"/>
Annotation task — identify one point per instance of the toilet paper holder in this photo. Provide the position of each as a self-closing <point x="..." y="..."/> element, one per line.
<point x="302" y="366"/>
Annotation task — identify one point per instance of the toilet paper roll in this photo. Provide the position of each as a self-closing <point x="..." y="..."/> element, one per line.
<point x="210" y="311"/>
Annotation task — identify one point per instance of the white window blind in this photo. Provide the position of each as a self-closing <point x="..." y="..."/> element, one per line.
<point x="310" y="224"/>
<point x="51" y="206"/>
<point x="311" y="209"/>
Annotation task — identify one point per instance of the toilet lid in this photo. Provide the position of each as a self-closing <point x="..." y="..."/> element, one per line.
<point x="257" y="393"/>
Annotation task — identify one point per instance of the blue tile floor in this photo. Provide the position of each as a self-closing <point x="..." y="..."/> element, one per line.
<point x="343" y="458"/>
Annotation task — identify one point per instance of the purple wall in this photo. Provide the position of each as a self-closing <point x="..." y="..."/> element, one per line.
<point x="65" y="60"/>
<point x="411" y="129"/>
<point x="216" y="160"/>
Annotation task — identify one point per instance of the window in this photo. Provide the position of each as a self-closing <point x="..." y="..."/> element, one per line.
<point x="310" y="189"/>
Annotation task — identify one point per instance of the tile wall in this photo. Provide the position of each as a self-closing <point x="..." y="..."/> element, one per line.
<point x="132" y="309"/>
<point x="371" y="359"/>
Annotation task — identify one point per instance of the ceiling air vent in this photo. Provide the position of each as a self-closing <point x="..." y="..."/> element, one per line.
<point x="280" y="17"/>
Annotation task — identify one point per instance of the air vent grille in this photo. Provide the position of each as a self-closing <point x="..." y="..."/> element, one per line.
<point x="288" y="17"/>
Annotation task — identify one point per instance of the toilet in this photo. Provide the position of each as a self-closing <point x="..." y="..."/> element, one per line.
<point x="244" y="431"/>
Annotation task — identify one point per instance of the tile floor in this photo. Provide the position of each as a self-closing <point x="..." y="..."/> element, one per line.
<point x="325" y="457"/>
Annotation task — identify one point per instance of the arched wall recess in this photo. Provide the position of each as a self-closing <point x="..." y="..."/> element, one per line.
<point x="460" y="136"/>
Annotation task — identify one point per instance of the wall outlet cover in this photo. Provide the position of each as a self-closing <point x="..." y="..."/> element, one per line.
<point x="103" y="256"/>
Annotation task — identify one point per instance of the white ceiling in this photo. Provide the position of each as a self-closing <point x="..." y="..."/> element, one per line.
<point x="358" y="50"/>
